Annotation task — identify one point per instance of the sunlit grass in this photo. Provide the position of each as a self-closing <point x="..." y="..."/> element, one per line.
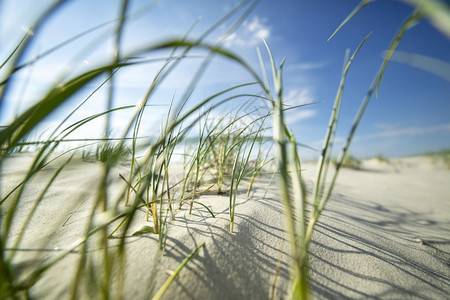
<point x="222" y="153"/>
<point x="148" y="183"/>
<point x="351" y="162"/>
<point x="440" y="157"/>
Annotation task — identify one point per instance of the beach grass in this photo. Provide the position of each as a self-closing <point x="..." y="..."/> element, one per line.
<point x="224" y="152"/>
<point x="146" y="186"/>
<point x="382" y="159"/>
<point x="440" y="157"/>
<point x="351" y="162"/>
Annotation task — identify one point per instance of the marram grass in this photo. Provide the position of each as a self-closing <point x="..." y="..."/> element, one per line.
<point x="226" y="151"/>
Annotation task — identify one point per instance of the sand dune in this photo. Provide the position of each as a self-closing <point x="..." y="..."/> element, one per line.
<point x="385" y="234"/>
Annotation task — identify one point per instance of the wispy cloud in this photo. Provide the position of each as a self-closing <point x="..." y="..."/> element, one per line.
<point x="394" y="131"/>
<point x="306" y="66"/>
<point x="299" y="115"/>
<point x="386" y="126"/>
<point x="368" y="143"/>
<point x="297" y="97"/>
<point x="250" y="34"/>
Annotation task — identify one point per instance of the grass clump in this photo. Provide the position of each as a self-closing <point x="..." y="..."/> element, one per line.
<point x="300" y="228"/>
<point x="292" y="188"/>
<point x="222" y="155"/>
<point x="107" y="151"/>
<point x="382" y="159"/>
<point x="148" y="183"/>
<point x="351" y="162"/>
<point x="440" y="157"/>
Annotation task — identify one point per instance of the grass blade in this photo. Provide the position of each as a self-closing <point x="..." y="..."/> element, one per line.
<point x="169" y="280"/>
<point x="360" y="6"/>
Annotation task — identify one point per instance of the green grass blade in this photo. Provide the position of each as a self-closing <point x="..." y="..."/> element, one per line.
<point x="169" y="280"/>
<point x="206" y="207"/>
<point x="54" y="99"/>
<point x="375" y="83"/>
<point x="329" y="134"/>
<point x="24" y="44"/>
<point x="16" y="49"/>
<point x="438" y="12"/>
<point x="360" y="6"/>
<point x="409" y="22"/>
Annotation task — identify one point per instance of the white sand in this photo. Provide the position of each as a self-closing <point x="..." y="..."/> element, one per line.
<point x="385" y="234"/>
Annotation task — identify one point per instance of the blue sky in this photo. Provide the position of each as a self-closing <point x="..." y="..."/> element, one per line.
<point x="410" y="115"/>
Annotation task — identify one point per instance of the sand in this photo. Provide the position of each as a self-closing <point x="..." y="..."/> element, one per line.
<point x="385" y="234"/>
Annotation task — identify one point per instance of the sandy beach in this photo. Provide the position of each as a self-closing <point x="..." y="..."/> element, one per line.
<point x="159" y="150"/>
<point x="385" y="234"/>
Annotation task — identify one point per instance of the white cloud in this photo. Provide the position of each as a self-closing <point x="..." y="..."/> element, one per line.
<point x="299" y="115"/>
<point x="258" y="29"/>
<point x="394" y="131"/>
<point x="250" y="34"/>
<point x="388" y="131"/>
<point x="386" y="126"/>
<point x="297" y="97"/>
<point x="307" y="66"/>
